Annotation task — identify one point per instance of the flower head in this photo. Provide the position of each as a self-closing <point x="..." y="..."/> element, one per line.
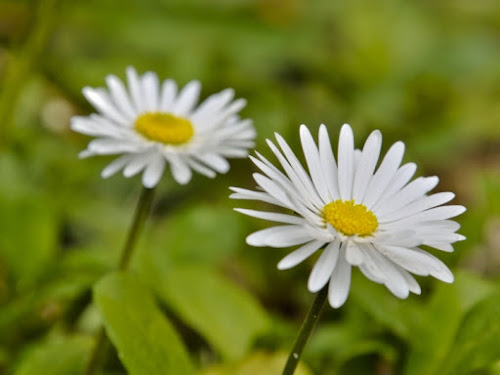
<point x="360" y="215"/>
<point x="153" y="125"/>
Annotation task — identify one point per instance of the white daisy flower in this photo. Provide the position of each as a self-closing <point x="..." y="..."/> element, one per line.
<point x="375" y="220"/>
<point x="152" y="124"/>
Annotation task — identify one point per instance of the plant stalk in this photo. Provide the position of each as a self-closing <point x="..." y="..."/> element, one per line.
<point x="308" y="325"/>
<point x="140" y="215"/>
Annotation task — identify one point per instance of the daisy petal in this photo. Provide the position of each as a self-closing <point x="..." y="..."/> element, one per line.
<point x="353" y="254"/>
<point x="323" y="268"/>
<point x="328" y="163"/>
<point x="340" y="282"/>
<point x="137" y="164"/>
<point x="153" y="172"/>
<point x="385" y="173"/>
<point x="115" y="166"/>
<point x="187" y="98"/>
<point x="168" y="93"/>
<point x="280" y="236"/>
<point x="120" y="96"/>
<point x="299" y="255"/>
<point x="314" y="164"/>
<point x="272" y="216"/>
<point x="150" y="90"/>
<point x="367" y="163"/>
<point x="346" y="162"/>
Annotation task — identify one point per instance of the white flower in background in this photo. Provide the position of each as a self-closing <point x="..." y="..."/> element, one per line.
<point x="375" y="220"/>
<point x="152" y="124"/>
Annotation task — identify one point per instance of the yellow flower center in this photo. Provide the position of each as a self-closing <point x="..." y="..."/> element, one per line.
<point x="164" y="127"/>
<point x="349" y="218"/>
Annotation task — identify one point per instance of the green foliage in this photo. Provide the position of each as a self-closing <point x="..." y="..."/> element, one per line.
<point x="145" y="341"/>
<point x="213" y="306"/>
<point x="476" y="345"/>
<point x="56" y="356"/>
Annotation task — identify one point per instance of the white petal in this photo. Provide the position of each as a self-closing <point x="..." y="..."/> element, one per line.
<point x="447" y="247"/>
<point x="154" y="171"/>
<point x="272" y="216"/>
<point x="109" y="146"/>
<point x="340" y="282"/>
<point x="438" y="237"/>
<point x="311" y="155"/>
<point x="366" y="167"/>
<point x="420" y="205"/>
<point x="200" y="168"/>
<point x="394" y="280"/>
<point x="137" y="164"/>
<point x="400" y="237"/>
<point x="240" y="193"/>
<point x="89" y="126"/>
<point x="436" y="213"/>
<point x="411" y="192"/>
<point x="134" y="86"/>
<point x="180" y="170"/>
<point x="323" y="268"/>
<point x="280" y="236"/>
<point x="385" y="173"/>
<point x="368" y="272"/>
<point x="187" y="98"/>
<point x="400" y="179"/>
<point x="418" y="262"/>
<point x="233" y="108"/>
<point x="207" y="113"/>
<point x="115" y="166"/>
<point x="353" y="254"/>
<point x="100" y="99"/>
<point x="413" y="285"/>
<point x="150" y="90"/>
<point x="273" y="190"/>
<point x="411" y="260"/>
<point x="443" y="273"/>
<point x="328" y="163"/>
<point x="296" y="172"/>
<point x="168" y="93"/>
<point x="299" y="255"/>
<point x="346" y="162"/>
<point x="216" y="162"/>
<point x="120" y="96"/>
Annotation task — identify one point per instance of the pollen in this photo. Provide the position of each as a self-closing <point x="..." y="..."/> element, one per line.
<point x="349" y="218"/>
<point x="164" y="127"/>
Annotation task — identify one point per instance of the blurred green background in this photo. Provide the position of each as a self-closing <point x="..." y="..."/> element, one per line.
<point x="425" y="72"/>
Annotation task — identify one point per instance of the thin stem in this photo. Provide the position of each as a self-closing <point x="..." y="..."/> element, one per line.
<point x="310" y="321"/>
<point x="101" y="347"/>
<point x="140" y="215"/>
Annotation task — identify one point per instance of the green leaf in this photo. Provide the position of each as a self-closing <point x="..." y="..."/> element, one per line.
<point x="226" y="315"/>
<point x="259" y="363"/>
<point x="477" y="343"/>
<point x="400" y="316"/>
<point x="182" y="232"/>
<point x="432" y="339"/>
<point x="60" y="356"/>
<point x="145" y="341"/>
<point x="28" y="237"/>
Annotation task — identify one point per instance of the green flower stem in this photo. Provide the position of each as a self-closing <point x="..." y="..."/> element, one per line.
<point x="140" y="215"/>
<point x="310" y="321"/>
<point x="23" y="61"/>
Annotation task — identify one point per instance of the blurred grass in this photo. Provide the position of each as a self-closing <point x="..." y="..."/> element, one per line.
<point x="426" y="72"/>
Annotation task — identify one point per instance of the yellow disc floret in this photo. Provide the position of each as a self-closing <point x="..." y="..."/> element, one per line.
<point x="349" y="218"/>
<point x="164" y="127"/>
